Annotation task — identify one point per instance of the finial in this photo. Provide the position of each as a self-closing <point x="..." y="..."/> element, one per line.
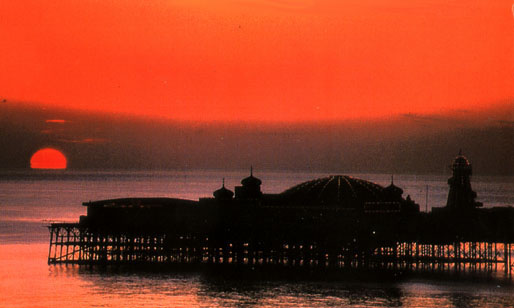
<point x="392" y="179"/>
<point x="223" y="182"/>
<point x="251" y="170"/>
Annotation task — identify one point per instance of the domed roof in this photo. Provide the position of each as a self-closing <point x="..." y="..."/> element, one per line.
<point x="393" y="189"/>
<point x="461" y="162"/>
<point x="337" y="190"/>
<point x="223" y="193"/>
<point x="251" y="180"/>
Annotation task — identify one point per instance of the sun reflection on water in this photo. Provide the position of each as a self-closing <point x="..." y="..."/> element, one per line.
<point x="26" y="280"/>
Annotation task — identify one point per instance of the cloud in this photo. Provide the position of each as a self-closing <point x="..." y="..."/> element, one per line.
<point x="58" y="121"/>
<point x="419" y="117"/>
<point x="506" y="123"/>
<point x="85" y="140"/>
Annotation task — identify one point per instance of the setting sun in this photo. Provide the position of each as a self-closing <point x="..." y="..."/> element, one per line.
<point x="48" y="159"/>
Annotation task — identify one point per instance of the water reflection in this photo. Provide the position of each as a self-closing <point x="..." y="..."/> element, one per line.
<point x="86" y="287"/>
<point x="193" y="289"/>
<point x="462" y="300"/>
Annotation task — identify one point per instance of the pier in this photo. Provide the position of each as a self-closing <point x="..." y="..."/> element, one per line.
<point x="77" y="244"/>
<point x="337" y="222"/>
<point x="70" y="244"/>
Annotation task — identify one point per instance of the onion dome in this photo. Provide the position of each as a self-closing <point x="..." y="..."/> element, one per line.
<point x="393" y="190"/>
<point x="334" y="191"/>
<point x="251" y="180"/>
<point x="223" y="193"/>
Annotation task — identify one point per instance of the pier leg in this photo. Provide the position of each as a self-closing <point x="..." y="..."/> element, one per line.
<point x="51" y="244"/>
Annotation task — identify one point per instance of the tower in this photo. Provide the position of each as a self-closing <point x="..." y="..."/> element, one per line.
<point x="461" y="196"/>
<point x="393" y="192"/>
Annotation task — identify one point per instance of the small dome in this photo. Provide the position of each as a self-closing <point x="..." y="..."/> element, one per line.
<point x="223" y="193"/>
<point x="339" y="191"/>
<point x="251" y="180"/>
<point x="393" y="190"/>
<point x="461" y="162"/>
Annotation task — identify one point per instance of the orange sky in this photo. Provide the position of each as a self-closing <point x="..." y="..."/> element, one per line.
<point x="258" y="60"/>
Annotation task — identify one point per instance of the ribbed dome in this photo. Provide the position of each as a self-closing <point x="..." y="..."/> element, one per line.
<point x="338" y="191"/>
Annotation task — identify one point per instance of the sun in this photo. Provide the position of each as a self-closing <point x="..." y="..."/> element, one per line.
<point x="48" y="158"/>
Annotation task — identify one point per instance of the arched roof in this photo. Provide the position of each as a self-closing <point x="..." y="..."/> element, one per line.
<point x="334" y="191"/>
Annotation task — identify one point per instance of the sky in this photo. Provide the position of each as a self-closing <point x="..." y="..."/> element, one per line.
<point x="258" y="60"/>
<point x="408" y="143"/>
<point x="347" y="75"/>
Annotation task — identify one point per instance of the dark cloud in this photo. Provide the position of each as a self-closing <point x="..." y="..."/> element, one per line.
<point x="508" y="123"/>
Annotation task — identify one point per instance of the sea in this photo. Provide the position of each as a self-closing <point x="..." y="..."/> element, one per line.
<point x="31" y="200"/>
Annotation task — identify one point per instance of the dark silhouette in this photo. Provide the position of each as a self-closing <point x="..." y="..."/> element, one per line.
<point x="251" y="188"/>
<point x="336" y="222"/>
<point x="461" y="196"/>
<point x="223" y="194"/>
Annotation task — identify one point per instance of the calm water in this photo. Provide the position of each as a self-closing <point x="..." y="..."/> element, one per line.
<point x="28" y="201"/>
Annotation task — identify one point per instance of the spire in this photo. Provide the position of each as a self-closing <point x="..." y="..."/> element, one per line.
<point x="251" y="170"/>
<point x="223" y="183"/>
<point x="392" y="179"/>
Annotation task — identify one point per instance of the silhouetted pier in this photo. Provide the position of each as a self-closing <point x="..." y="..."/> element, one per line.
<point x="81" y="244"/>
<point x="337" y="222"/>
